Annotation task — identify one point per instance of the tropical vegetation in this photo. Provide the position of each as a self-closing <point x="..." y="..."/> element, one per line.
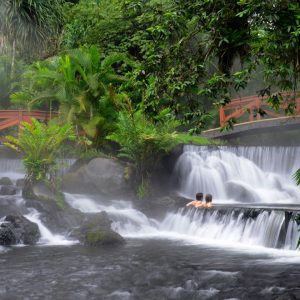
<point x="174" y="59"/>
<point x="40" y="144"/>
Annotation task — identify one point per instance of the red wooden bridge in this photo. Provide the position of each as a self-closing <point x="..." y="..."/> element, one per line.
<point x="246" y="112"/>
<point x="9" y="118"/>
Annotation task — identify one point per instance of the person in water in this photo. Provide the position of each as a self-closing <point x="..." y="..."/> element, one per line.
<point x="198" y="202"/>
<point x="208" y="201"/>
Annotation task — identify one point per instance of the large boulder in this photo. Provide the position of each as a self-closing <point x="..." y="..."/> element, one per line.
<point x="57" y="219"/>
<point x="101" y="176"/>
<point x="16" y="229"/>
<point x="96" y="231"/>
<point x="8" y="190"/>
<point x="5" y="181"/>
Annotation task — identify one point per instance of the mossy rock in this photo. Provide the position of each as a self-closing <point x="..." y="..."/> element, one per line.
<point x="96" y="231"/>
<point x="103" y="238"/>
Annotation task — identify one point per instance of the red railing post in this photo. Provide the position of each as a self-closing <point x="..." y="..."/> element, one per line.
<point x="258" y="106"/>
<point x="222" y="116"/>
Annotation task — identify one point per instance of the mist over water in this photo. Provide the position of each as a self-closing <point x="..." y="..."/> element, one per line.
<point x="236" y="252"/>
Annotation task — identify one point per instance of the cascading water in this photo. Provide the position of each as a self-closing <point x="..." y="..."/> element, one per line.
<point x="241" y="226"/>
<point x="259" y="227"/>
<point x="14" y="169"/>
<point x="240" y="174"/>
<point x="47" y="237"/>
<point x="232" y="174"/>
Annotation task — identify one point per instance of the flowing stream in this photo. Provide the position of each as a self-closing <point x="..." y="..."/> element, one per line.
<point x="242" y="248"/>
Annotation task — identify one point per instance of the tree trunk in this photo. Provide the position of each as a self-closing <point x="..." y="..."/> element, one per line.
<point x="13" y="58"/>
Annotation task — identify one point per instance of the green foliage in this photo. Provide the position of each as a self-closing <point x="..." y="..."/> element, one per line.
<point x="143" y="189"/>
<point x="142" y="141"/>
<point x="229" y="125"/>
<point x="82" y="84"/>
<point x="297" y="177"/>
<point x="297" y="219"/>
<point x="29" y="25"/>
<point x="40" y="144"/>
<point x="163" y="36"/>
<point x="8" y="82"/>
<point x="196" y="140"/>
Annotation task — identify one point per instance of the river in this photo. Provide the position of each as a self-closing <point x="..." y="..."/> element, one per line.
<point x="244" y="248"/>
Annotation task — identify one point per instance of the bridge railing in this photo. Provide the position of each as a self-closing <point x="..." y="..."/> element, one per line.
<point x="251" y="105"/>
<point x="9" y="118"/>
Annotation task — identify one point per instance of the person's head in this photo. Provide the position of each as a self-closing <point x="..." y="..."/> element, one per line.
<point x="208" y="198"/>
<point x="199" y="196"/>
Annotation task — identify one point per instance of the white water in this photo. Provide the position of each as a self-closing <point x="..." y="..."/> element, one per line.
<point x="240" y="174"/>
<point x="196" y="225"/>
<point x="47" y="237"/>
<point x="243" y="174"/>
<point x="12" y="168"/>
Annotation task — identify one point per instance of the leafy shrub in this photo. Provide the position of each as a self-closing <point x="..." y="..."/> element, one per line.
<point x="40" y="144"/>
<point x="144" y="141"/>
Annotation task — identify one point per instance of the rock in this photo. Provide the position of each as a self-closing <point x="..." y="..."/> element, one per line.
<point x="101" y="176"/>
<point x="8" y="190"/>
<point x="17" y="229"/>
<point x="5" y="181"/>
<point x="11" y="206"/>
<point x="57" y="219"/>
<point x="96" y="231"/>
<point x="158" y="207"/>
<point x="20" y="182"/>
<point x="42" y="192"/>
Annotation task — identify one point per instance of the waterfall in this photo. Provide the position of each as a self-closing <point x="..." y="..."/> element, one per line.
<point x="269" y="228"/>
<point x="240" y="174"/>
<point x="47" y="237"/>
<point x="126" y="219"/>
<point x="14" y="169"/>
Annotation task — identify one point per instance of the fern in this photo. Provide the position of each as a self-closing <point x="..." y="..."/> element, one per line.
<point x="142" y="141"/>
<point x="40" y="144"/>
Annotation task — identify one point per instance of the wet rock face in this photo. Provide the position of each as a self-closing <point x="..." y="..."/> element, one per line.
<point x="17" y="229"/>
<point x="8" y="190"/>
<point x="96" y="231"/>
<point x="102" y="176"/>
<point x="5" y="181"/>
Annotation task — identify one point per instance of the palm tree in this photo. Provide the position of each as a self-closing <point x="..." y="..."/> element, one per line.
<point x="27" y="25"/>
<point x="82" y="83"/>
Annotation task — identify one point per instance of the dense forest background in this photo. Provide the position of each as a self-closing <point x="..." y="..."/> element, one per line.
<point x="133" y="72"/>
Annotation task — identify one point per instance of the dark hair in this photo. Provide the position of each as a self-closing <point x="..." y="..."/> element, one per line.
<point x="208" y="198"/>
<point x="199" y="196"/>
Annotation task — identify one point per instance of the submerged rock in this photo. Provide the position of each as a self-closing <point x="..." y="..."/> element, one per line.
<point x="5" y="181"/>
<point x="16" y="229"/>
<point x="102" y="176"/>
<point x="8" y="190"/>
<point x="96" y="231"/>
